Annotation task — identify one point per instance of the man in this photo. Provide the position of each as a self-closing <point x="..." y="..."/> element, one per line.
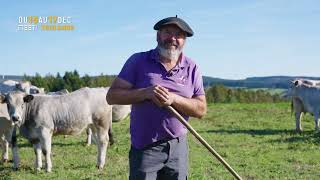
<point x="150" y="81"/>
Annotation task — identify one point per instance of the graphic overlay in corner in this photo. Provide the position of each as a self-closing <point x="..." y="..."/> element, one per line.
<point x="44" y="23"/>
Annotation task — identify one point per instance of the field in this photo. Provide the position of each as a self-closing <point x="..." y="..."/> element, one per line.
<point x="257" y="140"/>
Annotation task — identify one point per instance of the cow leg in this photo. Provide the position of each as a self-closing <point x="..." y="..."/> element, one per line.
<point x="37" y="151"/>
<point x="102" y="142"/>
<point x="14" y="143"/>
<point x="111" y="138"/>
<point x="89" y="134"/>
<point x="45" y="140"/>
<point x="5" y="150"/>
<point x="316" y="120"/>
<point x="298" y="116"/>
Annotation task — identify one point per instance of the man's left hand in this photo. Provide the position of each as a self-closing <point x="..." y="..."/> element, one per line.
<point x="165" y="97"/>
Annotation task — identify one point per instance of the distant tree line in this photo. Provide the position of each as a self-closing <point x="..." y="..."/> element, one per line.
<point x="70" y="80"/>
<point x="214" y="94"/>
<point x="222" y="94"/>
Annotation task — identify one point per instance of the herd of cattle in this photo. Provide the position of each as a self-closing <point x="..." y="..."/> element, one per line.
<point x="41" y="115"/>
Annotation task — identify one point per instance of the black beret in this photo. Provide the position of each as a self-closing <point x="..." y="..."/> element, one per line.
<point x="175" y="21"/>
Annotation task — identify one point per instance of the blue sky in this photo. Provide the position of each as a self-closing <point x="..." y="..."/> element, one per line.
<point x="233" y="39"/>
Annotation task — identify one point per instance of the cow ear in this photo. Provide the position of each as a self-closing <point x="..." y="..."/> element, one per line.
<point x="2" y="99"/>
<point x="28" y="98"/>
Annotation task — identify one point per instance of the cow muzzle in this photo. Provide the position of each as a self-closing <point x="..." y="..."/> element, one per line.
<point x="15" y="119"/>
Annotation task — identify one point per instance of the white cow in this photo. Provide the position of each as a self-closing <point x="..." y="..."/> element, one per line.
<point x="41" y="116"/>
<point x="305" y="98"/>
<point x="7" y="130"/>
<point x="120" y="112"/>
<point x="25" y="86"/>
<point x="8" y="85"/>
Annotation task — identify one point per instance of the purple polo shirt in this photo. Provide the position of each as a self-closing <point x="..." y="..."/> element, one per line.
<point x="150" y="123"/>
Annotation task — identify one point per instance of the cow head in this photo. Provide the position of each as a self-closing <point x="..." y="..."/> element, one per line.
<point x="16" y="103"/>
<point x="28" y="88"/>
<point x="296" y="82"/>
<point x="24" y="86"/>
<point x="292" y="88"/>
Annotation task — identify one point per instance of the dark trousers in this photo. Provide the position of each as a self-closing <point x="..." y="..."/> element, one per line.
<point x="163" y="160"/>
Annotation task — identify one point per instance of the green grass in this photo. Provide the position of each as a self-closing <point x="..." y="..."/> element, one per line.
<point x="257" y="140"/>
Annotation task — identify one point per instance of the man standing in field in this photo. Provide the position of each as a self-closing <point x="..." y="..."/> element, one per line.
<point x="149" y="81"/>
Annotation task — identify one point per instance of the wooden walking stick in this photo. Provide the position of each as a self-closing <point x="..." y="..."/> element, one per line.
<point x="203" y="142"/>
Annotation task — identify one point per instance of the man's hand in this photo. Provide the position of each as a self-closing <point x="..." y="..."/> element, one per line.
<point x="160" y="95"/>
<point x="194" y="106"/>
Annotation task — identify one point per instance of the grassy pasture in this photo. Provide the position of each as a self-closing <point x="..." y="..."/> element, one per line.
<point x="257" y="140"/>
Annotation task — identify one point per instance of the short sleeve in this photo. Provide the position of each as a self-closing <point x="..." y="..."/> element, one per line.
<point x="198" y="82"/>
<point x="128" y="71"/>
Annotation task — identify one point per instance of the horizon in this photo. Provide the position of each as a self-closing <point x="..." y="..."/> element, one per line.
<point x="82" y="75"/>
<point x="232" y="40"/>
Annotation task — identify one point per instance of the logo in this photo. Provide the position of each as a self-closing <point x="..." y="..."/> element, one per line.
<point x="181" y="80"/>
<point x="45" y="23"/>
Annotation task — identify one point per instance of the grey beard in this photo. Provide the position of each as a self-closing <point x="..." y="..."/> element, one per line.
<point x="172" y="54"/>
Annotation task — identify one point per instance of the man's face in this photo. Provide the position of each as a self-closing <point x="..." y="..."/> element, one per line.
<point x="171" y="40"/>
